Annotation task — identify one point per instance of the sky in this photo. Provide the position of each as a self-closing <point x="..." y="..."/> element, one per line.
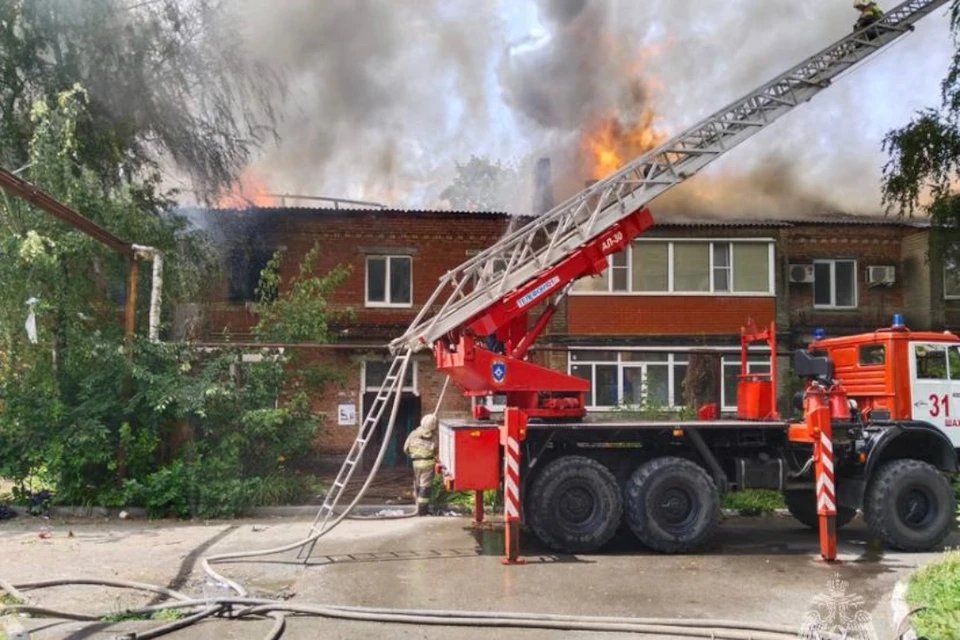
<point x="432" y="90"/>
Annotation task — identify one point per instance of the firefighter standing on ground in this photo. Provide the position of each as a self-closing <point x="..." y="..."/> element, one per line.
<point x="421" y="447"/>
<point x="869" y="13"/>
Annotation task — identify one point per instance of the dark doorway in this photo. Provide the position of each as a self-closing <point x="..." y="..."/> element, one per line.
<point x="408" y="417"/>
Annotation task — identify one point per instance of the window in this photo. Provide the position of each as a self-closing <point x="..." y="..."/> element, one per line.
<point x="691" y="266"/>
<point x="651" y="267"/>
<point x="635" y="379"/>
<point x="931" y="362"/>
<point x="872" y="355"/>
<point x="835" y="284"/>
<point x="245" y="261"/>
<point x="731" y="377"/>
<point x="951" y="278"/>
<point x="389" y="281"/>
<point x="496" y="403"/>
<point x="721" y="267"/>
<point x="620" y="271"/>
<point x="375" y="372"/>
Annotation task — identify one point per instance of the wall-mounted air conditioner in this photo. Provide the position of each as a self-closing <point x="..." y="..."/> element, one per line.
<point x="801" y="273"/>
<point x="877" y="275"/>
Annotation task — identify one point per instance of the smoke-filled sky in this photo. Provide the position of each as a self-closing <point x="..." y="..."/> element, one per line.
<point x="387" y="95"/>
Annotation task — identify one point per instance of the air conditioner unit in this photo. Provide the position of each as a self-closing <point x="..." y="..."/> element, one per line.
<point x="801" y="273"/>
<point x="881" y="276"/>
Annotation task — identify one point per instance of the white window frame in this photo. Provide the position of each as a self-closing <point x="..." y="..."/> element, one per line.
<point x="671" y="285"/>
<point x="671" y="362"/>
<point x="412" y="388"/>
<point x="949" y="264"/>
<point x="366" y="282"/>
<point x="725" y="404"/>
<point x="833" y="284"/>
<point x="490" y="402"/>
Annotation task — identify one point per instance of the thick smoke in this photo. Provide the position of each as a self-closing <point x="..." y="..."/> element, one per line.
<point x="387" y="96"/>
<point x="384" y="94"/>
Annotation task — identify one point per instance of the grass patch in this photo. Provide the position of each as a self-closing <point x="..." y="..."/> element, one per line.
<point x="167" y="615"/>
<point x="754" y="502"/>
<point x="440" y="497"/>
<point x="7" y="600"/>
<point x="124" y="616"/>
<point x="936" y="587"/>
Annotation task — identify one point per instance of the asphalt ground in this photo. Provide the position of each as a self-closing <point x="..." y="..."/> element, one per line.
<point x="757" y="569"/>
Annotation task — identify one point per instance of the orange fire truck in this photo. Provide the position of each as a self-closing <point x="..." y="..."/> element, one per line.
<point x="876" y="412"/>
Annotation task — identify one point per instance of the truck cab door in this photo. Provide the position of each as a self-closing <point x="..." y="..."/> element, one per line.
<point x="935" y="386"/>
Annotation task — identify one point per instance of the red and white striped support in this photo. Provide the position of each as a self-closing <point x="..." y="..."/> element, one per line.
<point x="819" y="424"/>
<point x="512" y="433"/>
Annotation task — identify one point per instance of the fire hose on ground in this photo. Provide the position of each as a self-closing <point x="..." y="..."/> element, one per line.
<point x="243" y="607"/>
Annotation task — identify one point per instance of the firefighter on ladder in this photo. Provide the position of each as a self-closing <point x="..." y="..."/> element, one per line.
<point x="869" y="13"/>
<point x="421" y="447"/>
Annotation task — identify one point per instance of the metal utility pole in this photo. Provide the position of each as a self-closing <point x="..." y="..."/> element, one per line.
<point x="35" y="196"/>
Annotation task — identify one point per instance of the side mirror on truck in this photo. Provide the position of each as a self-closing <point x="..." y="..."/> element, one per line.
<point x="807" y="365"/>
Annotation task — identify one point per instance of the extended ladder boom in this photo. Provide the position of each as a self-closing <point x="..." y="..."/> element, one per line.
<point x="522" y="255"/>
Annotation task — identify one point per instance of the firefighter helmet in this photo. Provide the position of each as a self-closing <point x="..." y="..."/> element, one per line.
<point x="429" y="423"/>
<point x="862" y="4"/>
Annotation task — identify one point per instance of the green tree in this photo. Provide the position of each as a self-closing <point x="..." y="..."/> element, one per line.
<point x="482" y="185"/>
<point x="197" y="433"/>
<point x="168" y="81"/>
<point x="924" y="156"/>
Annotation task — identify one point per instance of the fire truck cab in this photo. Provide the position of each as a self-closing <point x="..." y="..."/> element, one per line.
<point x="900" y="375"/>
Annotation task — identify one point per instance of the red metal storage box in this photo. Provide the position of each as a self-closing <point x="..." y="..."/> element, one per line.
<point x="470" y="455"/>
<point x="755" y="394"/>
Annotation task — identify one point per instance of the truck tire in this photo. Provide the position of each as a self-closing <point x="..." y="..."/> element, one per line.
<point x="802" y="505"/>
<point x="909" y="505"/>
<point x="574" y="505"/>
<point x="672" y="505"/>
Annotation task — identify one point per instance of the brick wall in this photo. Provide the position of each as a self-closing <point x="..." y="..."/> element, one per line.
<point x="436" y="242"/>
<point x="917" y="283"/>
<point x="868" y="245"/>
<point x="335" y="439"/>
<point x="665" y="315"/>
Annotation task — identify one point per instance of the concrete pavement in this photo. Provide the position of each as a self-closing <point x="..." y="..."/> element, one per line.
<point x="762" y="569"/>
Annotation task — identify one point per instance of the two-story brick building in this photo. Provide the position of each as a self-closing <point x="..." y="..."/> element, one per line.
<point x="684" y="286"/>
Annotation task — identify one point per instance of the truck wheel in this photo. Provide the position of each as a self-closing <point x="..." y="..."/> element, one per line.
<point x="909" y="505"/>
<point x="672" y="505"/>
<point x="574" y="505"/>
<point x="802" y="505"/>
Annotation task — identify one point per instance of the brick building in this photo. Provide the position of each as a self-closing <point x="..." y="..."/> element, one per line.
<point x="682" y="287"/>
<point x="395" y="258"/>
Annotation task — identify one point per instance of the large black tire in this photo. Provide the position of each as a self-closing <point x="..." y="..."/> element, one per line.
<point x="909" y="505"/>
<point x="802" y="505"/>
<point x="574" y="505"/>
<point x="672" y="505"/>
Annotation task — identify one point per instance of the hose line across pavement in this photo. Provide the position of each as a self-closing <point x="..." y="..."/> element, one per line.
<point x="241" y="606"/>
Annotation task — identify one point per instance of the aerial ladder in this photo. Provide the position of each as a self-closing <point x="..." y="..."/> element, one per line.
<point x="476" y="321"/>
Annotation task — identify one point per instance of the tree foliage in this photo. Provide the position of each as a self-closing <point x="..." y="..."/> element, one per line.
<point x="298" y="310"/>
<point x="924" y="155"/>
<point x="177" y="429"/>
<point x="482" y="185"/>
<point x="168" y="81"/>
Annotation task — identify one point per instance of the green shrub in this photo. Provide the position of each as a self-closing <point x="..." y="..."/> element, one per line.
<point x="935" y="587"/>
<point x="754" y="502"/>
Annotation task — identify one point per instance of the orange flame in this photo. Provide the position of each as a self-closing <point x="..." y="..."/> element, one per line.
<point x="249" y="191"/>
<point x="609" y="144"/>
